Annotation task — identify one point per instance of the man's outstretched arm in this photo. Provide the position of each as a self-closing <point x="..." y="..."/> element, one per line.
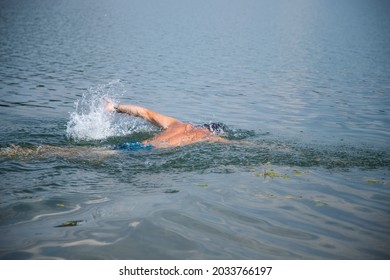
<point x="148" y="115"/>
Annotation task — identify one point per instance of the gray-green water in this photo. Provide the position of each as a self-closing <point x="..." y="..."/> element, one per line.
<point x="302" y="86"/>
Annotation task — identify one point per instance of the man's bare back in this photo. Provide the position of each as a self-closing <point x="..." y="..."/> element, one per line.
<point x="174" y="132"/>
<point x="181" y="134"/>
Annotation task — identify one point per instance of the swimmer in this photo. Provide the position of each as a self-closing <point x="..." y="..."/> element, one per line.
<point x="174" y="132"/>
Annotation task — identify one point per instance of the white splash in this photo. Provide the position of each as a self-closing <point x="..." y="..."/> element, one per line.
<point x="89" y="121"/>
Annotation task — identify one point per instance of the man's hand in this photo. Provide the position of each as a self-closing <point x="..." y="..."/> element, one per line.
<point x="108" y="105"/>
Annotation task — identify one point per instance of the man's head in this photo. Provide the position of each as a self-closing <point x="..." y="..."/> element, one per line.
<point x="215" y="127"/>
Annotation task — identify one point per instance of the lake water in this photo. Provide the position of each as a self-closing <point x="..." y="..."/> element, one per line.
<point x="302" y="86"/>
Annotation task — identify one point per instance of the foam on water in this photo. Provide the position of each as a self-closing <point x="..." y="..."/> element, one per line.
<point x="89" y="121"/>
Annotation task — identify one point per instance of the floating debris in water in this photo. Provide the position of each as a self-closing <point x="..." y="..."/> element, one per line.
<point x="62" y="205"/>
<point x="320" y="203"/>
<point x="271" y="173"/>
<point x="171" y="191"/>
<point x="287" y="196"/>
<point x="290" y="196"/>
<point x="373" y="181"/>
<point x="376" y="182"/>
<point x="71" y="223"/>
<point x="317" y="203"/>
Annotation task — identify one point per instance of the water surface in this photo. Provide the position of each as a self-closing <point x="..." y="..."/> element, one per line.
<point x="302" y="87"/>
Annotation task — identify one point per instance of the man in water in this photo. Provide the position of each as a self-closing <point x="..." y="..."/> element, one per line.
<point x="174" y="132"/>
